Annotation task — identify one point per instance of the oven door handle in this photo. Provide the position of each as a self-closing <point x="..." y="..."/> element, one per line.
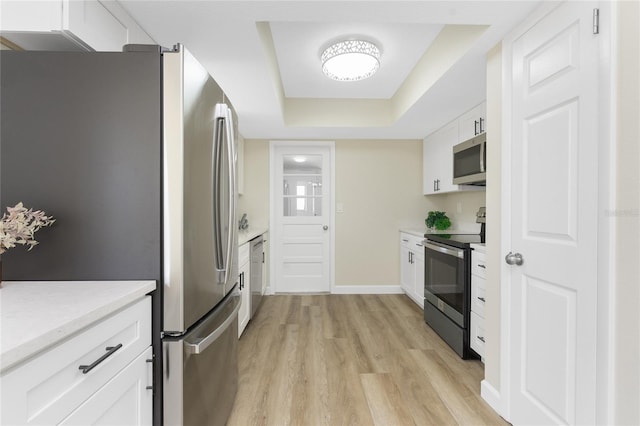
<point x="446" y="250"/>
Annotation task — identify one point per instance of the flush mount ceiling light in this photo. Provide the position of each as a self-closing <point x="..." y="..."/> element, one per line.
<point x="350" y="60"/>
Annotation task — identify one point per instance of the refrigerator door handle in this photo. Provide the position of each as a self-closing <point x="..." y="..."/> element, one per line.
<point x="233" y="228"/>
<point x="204" y="343"/>
<point x="216" y="176"/>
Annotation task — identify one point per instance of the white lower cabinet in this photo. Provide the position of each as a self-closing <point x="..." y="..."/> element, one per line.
<point x="412" y="267"/>
<point x="478" y="276"/>
<point x="98" y="376"/>
<point x="244" y="272"/>
<point x="126" y="400"/>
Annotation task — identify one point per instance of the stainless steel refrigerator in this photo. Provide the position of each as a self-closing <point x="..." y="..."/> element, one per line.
<point x="134" y="154"/>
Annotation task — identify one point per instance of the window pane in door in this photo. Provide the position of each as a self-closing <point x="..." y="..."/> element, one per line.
<point x="312" y="185"/>
<point x="302" y="206"/>
<point x="302" y="185"/>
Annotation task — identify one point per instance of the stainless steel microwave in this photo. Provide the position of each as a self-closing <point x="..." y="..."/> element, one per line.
<point x="470" y="161"/>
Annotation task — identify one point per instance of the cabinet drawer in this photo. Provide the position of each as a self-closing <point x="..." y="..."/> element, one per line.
<point x="126" y="400"/>
<point x="476" y="334"/>
<point x="404" y="240"/>
<point x="244" y="254"/>
<point x="478" y="264"/>
<point x="477" y="295"/>
<point x="411" y="242"/>
<point x="48" y="387"/>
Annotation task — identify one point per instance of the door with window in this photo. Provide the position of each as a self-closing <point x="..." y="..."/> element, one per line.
<point x="302" y="206"/>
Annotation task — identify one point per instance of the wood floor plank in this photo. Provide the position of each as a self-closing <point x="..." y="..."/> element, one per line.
<point x="352" y="360"/>
<point x="385" y="401"/>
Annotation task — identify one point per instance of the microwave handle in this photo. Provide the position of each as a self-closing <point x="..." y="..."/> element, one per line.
<point x="482" y="148"/>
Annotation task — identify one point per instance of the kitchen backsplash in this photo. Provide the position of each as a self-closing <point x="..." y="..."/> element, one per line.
<point x="461" y="207"/>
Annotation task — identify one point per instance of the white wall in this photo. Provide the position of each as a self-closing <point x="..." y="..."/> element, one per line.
<point x="494" y="221"/>
<point x="626" y="351"/>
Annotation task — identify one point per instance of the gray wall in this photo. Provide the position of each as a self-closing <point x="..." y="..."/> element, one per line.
<point x="81" y="139"/>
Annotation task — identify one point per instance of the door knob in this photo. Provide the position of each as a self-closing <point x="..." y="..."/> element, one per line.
<point x="514" y="259"/>
<point x="325" y="227"/>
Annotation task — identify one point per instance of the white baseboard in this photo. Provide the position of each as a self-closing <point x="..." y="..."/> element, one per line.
<point x="356" y="289"/>
<point x="491" y="396"/>
<point x="367" y="289"/>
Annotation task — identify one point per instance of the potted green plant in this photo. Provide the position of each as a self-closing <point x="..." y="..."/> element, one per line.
<point x="437" y="220"/>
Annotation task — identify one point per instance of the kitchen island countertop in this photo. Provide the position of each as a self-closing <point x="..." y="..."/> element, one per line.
<point x="36" y="315"/>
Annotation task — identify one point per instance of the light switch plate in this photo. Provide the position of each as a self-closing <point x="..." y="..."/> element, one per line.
<point x="339" y="208"/>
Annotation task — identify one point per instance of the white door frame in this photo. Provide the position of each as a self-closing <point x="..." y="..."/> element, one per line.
<point x="273" y="145"/>
<point x="606" y="202"/>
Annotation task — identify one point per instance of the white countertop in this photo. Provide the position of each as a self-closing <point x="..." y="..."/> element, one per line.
<point x="250" y="234"/>
<point x="480" y="247"/>
<point x="35" y="315"/>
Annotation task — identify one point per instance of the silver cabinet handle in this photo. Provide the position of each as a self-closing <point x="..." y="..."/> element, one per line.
<point x="481" y="121"/>
<point x="481" y="338"/>
<point x="514" y="259"/>
<point x="480" y="265"/>
<point x="446" y="250"/>
<point x="325" y="227"/>
<point x="475" y="127"/>
<point x="481" y="299"/>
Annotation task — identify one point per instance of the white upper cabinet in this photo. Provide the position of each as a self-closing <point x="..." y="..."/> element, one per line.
<point x="473" y="122"/>
<point x="69" y="25"/>
<point x="438" y="160"/>
<point x="437" y="151"/>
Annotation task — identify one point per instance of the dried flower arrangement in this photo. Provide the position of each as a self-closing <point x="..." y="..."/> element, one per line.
<point x="18" y="225"/>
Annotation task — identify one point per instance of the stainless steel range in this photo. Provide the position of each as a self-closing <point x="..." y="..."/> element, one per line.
<point x="447" y="286"/>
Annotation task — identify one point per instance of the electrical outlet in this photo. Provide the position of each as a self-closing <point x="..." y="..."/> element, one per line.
<point x="339" y="208"/>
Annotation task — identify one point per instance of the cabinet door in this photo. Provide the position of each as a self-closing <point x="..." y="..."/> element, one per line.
<point x="438" y="160"/>
<point x="127" y="399"/>
<point x="429" y="164"/>
<point x="473" y="122"/>
<point x="448" y="137"/>
<point x="407" y="270"/>
<point x="244" y="314"/>
<point x="265" y="262"/>
<point x="92" y="23"/>
<point x="70" y="25"/>
<point x="419" y="268"/>
<point x="476" y="334"/>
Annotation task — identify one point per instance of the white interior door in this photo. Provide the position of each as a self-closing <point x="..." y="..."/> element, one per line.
<point x="302" y="206"/>
<point x="554" y="211"/>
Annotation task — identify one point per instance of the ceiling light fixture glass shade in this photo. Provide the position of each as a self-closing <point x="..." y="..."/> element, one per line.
<point x="350" y="60"/>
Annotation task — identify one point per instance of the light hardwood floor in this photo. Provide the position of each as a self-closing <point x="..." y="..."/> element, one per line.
<point x="352" y="360"/>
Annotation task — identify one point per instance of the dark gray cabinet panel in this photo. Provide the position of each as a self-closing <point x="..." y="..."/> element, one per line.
<point x="81" y="139"/>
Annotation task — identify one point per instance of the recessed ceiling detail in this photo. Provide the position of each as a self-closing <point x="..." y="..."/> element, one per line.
<point x="350" y="60"/>
<point x="266" y="56"/>
<point x="449" y="46"/>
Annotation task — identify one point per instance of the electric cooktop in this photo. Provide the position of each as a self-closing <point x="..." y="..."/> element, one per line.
<point x="456" y="240"/>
